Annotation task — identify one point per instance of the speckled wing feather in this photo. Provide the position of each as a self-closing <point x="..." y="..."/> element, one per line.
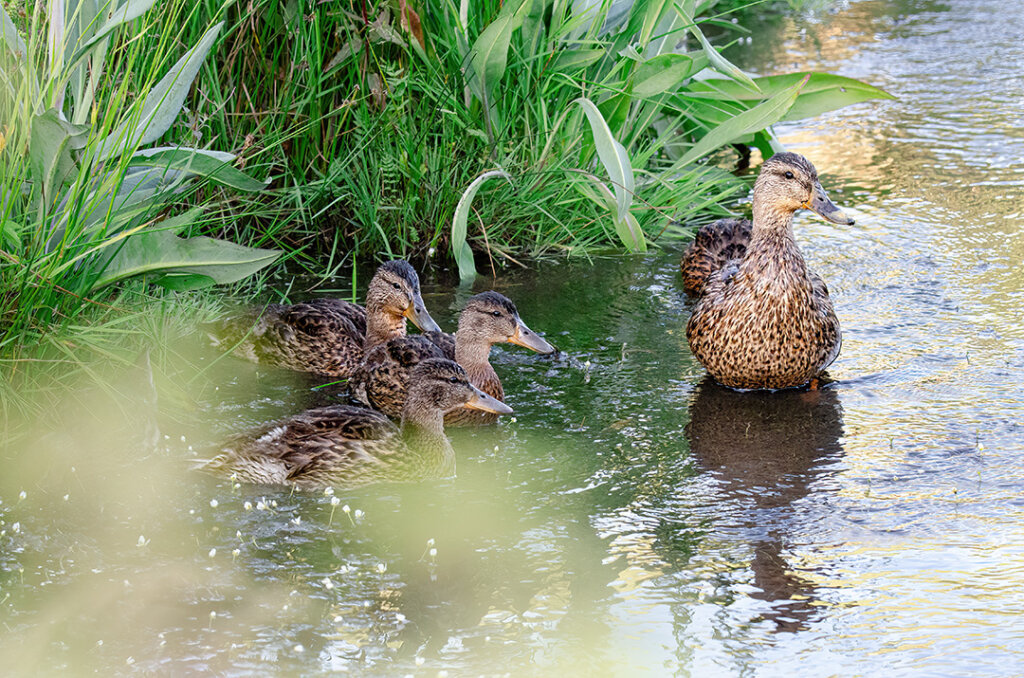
<point x="444" y="341"/>
<point x="323" y="336"/>
<point x="337" y="435"/>
<point x="713" y="246"/>
<point x="382" y="380"/>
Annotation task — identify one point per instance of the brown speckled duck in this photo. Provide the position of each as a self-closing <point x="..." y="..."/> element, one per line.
<point x="344" y="446"/>
<point x="762" y="320"/>
<point x="329" y="336"/>
<point x="488" y="318"/>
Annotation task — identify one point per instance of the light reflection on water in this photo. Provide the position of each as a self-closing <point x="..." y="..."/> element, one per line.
<point x="634" y="519"/>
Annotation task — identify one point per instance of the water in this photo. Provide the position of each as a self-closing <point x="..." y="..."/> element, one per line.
<point x="634" y="519"/>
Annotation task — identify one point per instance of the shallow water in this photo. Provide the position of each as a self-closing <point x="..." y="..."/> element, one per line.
<point x="633" y="519"/>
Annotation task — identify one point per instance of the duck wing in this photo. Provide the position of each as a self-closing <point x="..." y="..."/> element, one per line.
<point x="383" y="378"/>
<point x="713" y="246"/>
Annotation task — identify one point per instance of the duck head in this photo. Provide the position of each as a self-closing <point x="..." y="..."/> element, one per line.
<point x="395" y="288"/>
<point x="440" y="385"/>
<point x="491" y="318"/>
<point x="788" y="182"/>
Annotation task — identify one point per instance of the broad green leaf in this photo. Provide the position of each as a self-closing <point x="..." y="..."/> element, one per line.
<point x="571" y="60"/>
<point x="460" y="225"/>
<point x="489" y="54"/>
<point x="162" y="104"/>
<point x="613" y="156"/>
<point x="51" y="140"/>
<point x="11" y="35"/>
<point x="615" y="110"/>
<point x="163" y="252"/>
<point x="747" y="122"/>
<point x="113" y="17"/>
<point x="823" y="92"/>
<point x="630" y="233"/>
<point x="213" y="165"/>
<point x="666" y="72"/>
<point x="721" y="64"/>
<point x="656" y="11"/>
<point x="184" y="282"/>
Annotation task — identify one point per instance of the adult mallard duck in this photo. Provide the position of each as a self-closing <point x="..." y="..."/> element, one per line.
<point x="329" y="336"/>
<point x="762" y="319"/>
<point x="344" y="446"/>
<point x="488" y="318"/>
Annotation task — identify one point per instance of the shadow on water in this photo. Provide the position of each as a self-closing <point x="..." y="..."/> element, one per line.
<point x="765" y="451"/>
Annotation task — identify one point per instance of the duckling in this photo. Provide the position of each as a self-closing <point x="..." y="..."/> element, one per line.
<point x="329" y="336"/>
<point x="345" y="446"/>
<point x="762" y="319"/>
<point x="488" y="318"/>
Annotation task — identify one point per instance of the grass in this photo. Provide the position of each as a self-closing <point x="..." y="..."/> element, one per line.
<point x="368" y="121"/>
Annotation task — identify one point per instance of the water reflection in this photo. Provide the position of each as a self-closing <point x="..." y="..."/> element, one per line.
<point x="766" y="451"/>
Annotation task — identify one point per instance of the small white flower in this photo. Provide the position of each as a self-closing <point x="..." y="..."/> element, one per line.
<point x="142" y="541"/>
<point x="16" y="527"/>
<point x="235" y="553"/>
<point x="261" y="506"/>
<point x="213" y="503"/>
<point x="22" y="495"/>
<point x="346" y="509"/>
<point x="247" y="506"/>
<point x="335" y="501"/>
<point x="328" y="491"/>
<point x="299" y="649"/>
<point x="67" y="497"/>
<point x="328" y="584"/>
<point x="212" y="553"/>
<point x="297" y="520"/>
<point x="400" y="618"/>
<point x="430" y="542"/>
<point x="433" y="553"/>
<point x="359" y="514"/>
<point x="420" y="661"/>
<point x="273" y="502"/>
<point x="182" y="438"/>
<point x="213" y="614"/>
<point x="382" y="567"/>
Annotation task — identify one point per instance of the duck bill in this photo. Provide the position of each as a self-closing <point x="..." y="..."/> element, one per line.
<point x="485" y="403"/>
<point x="527" y="338"/>
<point x="417" y="313"/>
<point x="821" y="205"/>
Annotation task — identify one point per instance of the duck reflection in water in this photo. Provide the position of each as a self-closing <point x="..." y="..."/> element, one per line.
<point x="766" y="450"/>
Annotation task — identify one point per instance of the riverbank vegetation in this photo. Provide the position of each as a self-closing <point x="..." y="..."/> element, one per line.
<point x="153" y="149"/>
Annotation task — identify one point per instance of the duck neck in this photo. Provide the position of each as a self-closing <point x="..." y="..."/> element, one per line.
<point x="423" y="433"/>
<point x="772" y="237"/>
<point x="473" y="355"/>
<point x="381" y="325"/>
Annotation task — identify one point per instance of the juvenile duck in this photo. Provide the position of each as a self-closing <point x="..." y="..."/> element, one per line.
<point x="343" y="446"/>
<point x="488" y="318"/>
<point x="329" y="336"/>
<point x="762" y="319"/>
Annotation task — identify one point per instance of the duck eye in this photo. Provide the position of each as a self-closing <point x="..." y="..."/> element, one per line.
<point x="789" y="175"/>
<point x="453" y="380"/>
<point x="496" y="314"/>
<point x="396" y="286"/>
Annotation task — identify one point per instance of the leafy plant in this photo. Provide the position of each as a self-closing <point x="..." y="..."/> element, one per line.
<point x="82" y="200"/>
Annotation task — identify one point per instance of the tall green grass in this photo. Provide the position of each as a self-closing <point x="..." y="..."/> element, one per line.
<point x="368" y="122"/>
